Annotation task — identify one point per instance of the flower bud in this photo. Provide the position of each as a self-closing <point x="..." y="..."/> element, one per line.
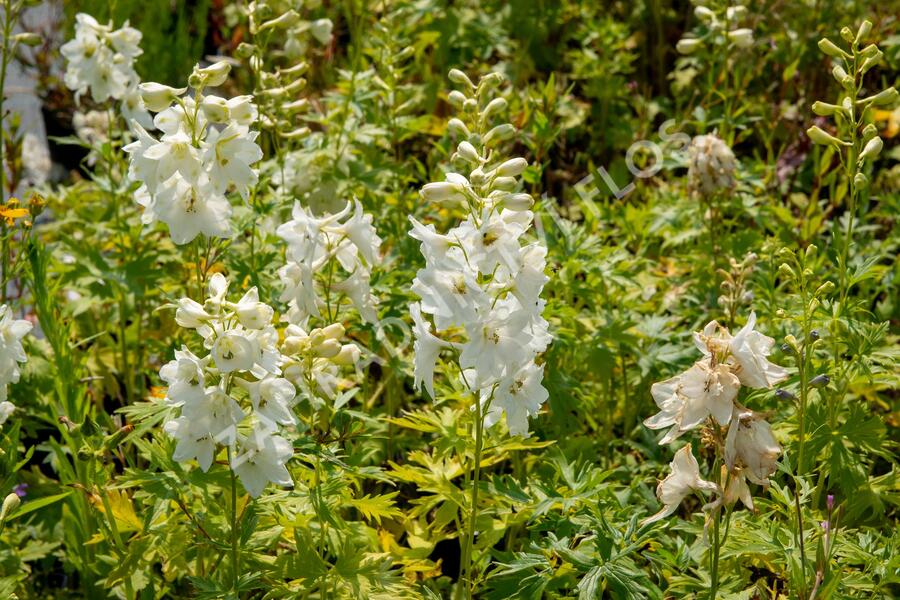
<point x="864" y="28"/>
<point x="500" y="133"/>
<point x="285" y="21"/>
<point x="505" y="184"/>
<point x="735" y="13"/>
<point x="830" y="48"/>
<point x="518" y="202"/>
<point x="688" y="45"/>
<point x="839" y="74"/>
<point x="328" y="348"/>
<point x="456" y="99"/>
<point x="872" y="149"/>
<point x="512" y="167"/>
<point x="783" y="394"/>
<point x="215" y="108"/>
<point x="216" y="74"/>
<point x="742" y="38"/>
<point x="335" y="331"/>
<point x="846" y="34"/>
<point x="441" y="191"/>
<point x="869" y="51"/>
<point x="27" y="38"/>
<point x="871" y="62"/>
<point x="860" y="181"/>
<point x="245" y="50"/>
<point x="883" y="98"/>
<point x="321" y="30"/>
<point x="478" y="177"/>
<point x="814" y="335"/>
<point x="704" y="14"/>
<point x="818" y="136"/>
<point x="458" y="128"/>
<point x="785" y="270"/>
<point x="468" y="153"/>
<point x="158" y="97"/>
<point x="820" y="381"/>
<point x="495" y="106"/>
<point x="824" y="109"/>
<point x="349" y="355"/>
<point x="10" y="503"/>
<point x="460" y="78"/>
<point x="825" y="289"/>
<point x="868" y="132"/>
<point x="491" y="80"/>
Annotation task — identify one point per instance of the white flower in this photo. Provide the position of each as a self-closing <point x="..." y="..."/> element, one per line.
<point x="321" y="30"/>
<point x="35" y="159"/>
<point x="234" y="351"/>
<point x="185" y="378"/>
<point x="751" y="446"/>
<point x="11" y="351"/>
<point x="190" y="210"/>
<point x="230" y="154"/>
<point x="100" y="60"/>
<point x="686" y="400"/>
<point x="271" y="398"/>
<point x="750" y="349"/>
<point x="427" y="348"/>
<point x="252" y="313"/>
<point x="312" y="242"/>
<point x="684" y="479"/>
<point x="518" y="397"/>
<point x="195" y="440"/>
<point x="261" y="461"/>
<point x="6" y="410"/>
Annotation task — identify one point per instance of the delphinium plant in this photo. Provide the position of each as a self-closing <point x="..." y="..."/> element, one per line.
<point x="741" y="440"/>
<point x="480" y="288"/>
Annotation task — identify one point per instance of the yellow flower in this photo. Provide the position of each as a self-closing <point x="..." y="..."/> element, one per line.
<point x="10" y="211"/>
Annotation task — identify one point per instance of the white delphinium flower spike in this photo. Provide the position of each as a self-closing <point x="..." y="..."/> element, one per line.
<point x="328" y="254"/>
<point x="481" y="284"/>
<point x="100" y="61"/>
<point x="233" y="397"/>
<point x="206" y="150"/>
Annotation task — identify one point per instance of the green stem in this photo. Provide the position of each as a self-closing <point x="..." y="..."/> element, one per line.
<point x="467" y="582"/>
<point x="714" y="558"/>
<point x="235" y="553"/>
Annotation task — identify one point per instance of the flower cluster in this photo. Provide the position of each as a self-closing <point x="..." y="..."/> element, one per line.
<point x="11" y="354"/>
<point x="480" y="285"/>
<point x="316" y="247"/>
<point x="240" y="395"/>
<point x="206" y="149"/>
<point x="711" y="165"/>
<point x="720" y="23"/>
<point x="709" y="390"/>
<point x="100" y="60"/>
<point x="234" y="396"/>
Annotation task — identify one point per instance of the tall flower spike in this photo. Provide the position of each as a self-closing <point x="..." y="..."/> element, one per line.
<point x="481" y="285"/>
<point x="206" y="150"/>
<point x="234" y="396"/>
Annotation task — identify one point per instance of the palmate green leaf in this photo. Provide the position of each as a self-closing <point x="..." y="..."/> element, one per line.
<point x="375" y="508"/>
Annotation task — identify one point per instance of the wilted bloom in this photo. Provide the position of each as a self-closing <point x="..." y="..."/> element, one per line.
<point x="751" y="446"/>
<point x="684" y="479"/>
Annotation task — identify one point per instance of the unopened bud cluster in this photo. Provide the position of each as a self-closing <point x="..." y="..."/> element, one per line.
<point x="711" y="165"/>
<point x="720" y="27"/>
<point x="851" y="64"/>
